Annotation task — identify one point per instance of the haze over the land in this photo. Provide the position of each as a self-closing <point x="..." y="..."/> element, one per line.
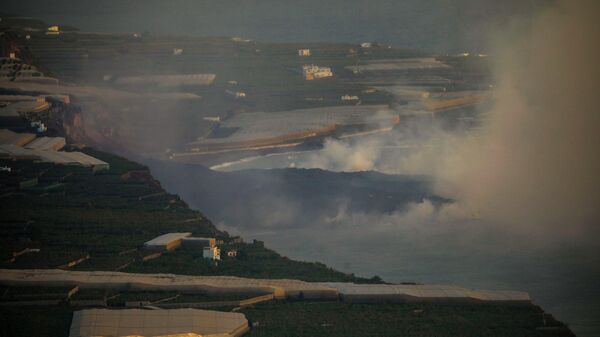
<point x="439" y="25"/>
<point x="524" y="191"/>
<point x="534" y="166"/>
<point x="521" y="208"/>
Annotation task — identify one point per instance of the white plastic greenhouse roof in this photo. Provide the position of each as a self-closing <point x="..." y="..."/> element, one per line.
<point x="231" y="284"/>
<point x="165" y="239"/>
<point x="421" y="291"/>
<point x="139" y="322"/>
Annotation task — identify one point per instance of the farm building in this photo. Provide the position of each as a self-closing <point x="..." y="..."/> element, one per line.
<point x="168" y="80"/>
<point x="167" y="241"/>
<point x="293" y="125"/>
<point x="56" y="157"/>
<point x="349" y="98"/>
<point x="14" y="152"/>
<point x="14" y="138"/>
<point x="172" y="322"/>
<point x="15" y="106"/>
<point x="399" y="65"/>
<point x="72" y="158"/>
<point x="351" y="292"/>
<point x="280" y="288"/>
<point x="303" y="52"/>
<point x="33" y="76"/>
<point x="47" y="144"/>
<point x="311" y="72"/>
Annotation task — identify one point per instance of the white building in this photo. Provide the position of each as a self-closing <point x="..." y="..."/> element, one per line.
<point x="366" y="45"/>
<point x="303" y="52"/>
<point x="213" y="253"/>
<point x="215" y="119"/>
<point x="349" y="98"/>
<point x="311" y="72"/>
<point x="232" y="253"/>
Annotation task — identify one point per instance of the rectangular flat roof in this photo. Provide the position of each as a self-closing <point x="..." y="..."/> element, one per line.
<point x="426" y="291"/>
<point x="19" y="139"/>
<point x="139" y="322"/>
<point x="47" y="143"/>
<point x="66" y="158"/>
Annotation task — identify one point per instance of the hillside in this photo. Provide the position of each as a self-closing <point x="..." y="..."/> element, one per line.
<point x="109" y="215"/>
<point x="72" y="218"/>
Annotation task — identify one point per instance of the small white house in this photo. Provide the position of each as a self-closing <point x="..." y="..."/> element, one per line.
<point x="349" y="98"/>
<point x="232" y="253"/>
<point x="366" y="45"/>
<point x="312" y="72"/>
<point x="303" y="52"/>
<point x="177" y="51"/>
<point x="215" y="119"/>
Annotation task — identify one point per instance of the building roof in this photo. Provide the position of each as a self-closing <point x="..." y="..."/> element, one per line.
<point x="17" y="152"/>
<point x="167" y="238"/>
<point x="51" y="156"/>
<point x="168" y="80"/>
<point x="15" y="108"/>
<point x="165" y="282"/>
<point x="422" y="291"/>
<point x="69" y="158"/>
<point x="14" y="138"/>
<point x="139" y="322"/>
<point x="299" y="121"/>
<point x="47" y="143"/>
<point x="278" y="287"/>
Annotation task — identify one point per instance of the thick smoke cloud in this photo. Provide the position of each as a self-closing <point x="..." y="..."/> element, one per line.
<point x="527" y="179"/>
<point x="534" y="167"/>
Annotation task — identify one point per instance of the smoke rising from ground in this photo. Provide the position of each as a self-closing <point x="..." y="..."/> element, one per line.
<point x="537" y="163"/>
<point x="535" y="167"/>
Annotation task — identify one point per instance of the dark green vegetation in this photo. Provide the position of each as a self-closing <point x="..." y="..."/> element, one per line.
<point x="414" y="320"/>
<point x="35" y="321"/>
<point x="270" y="74"/>
<point x="110" y="214"/>
<point x="288" y="318"/>
<point x="48" y="312"/>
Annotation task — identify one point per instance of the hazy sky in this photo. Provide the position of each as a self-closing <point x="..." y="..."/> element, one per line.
<point x="441" y="25"/>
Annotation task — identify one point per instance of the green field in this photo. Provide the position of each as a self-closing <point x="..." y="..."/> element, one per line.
<point x="299" y="318"/>
<point x="413" y="320"/>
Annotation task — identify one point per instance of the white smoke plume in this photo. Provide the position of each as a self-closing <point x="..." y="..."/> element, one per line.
<point x="538" y="163"/>
<point x="535" y="168"/>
